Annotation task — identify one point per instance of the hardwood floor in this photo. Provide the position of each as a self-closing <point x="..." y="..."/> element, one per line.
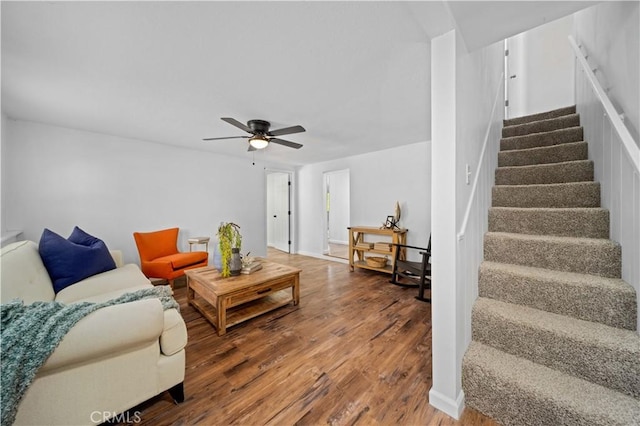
<point x="339" y="250"/>
<point x="356" y="350"/>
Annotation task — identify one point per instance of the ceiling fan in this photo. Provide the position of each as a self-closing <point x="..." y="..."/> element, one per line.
<point x="261" y="136"/>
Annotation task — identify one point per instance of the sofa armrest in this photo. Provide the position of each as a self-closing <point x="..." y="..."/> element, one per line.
<point x="107" y="331"/>
<point x="117" y="257"/>
<point x="174" y="336"/>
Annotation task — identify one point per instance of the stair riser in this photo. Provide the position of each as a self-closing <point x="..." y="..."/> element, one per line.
<point x="615" y="307"/>
<point x="511" y="405"/>
<point x="570" y="195"/>
<point x="595" y="258"/>
<point x="574" y="134"/>
<point x="584" y="223"/>
<point x="541" y="116"/>
<point x="504" y="401"/>
<point x="541" y="126"/>
<point x="575" y="171"/>
<point x="587" y="360"/>
<point x="545" y="155"/>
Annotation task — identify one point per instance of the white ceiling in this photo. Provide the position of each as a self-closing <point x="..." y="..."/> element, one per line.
<point x="356" y="75"/>
<point x="482" y="23"/>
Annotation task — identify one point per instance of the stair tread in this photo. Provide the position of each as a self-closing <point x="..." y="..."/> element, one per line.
<point x="563" y="292"/>
<point x="543" y="120"/>
<point x="548" y="386"/>
<point x="565" y="194"/>
<point x="558" y="112"/>
<point x="555" y="239"/>
<point x="544" y="154"/>
<point x="555" y="123"/>
<point x="532" y="174"/>
<point x="597" y="256"/>
<point x="564" y="326"/>
<point x="552" y="209"/>
<point x="590" y="222"/>
<point x="546" y="165"/>
<point x="542" y="139"/>
<point x="552" y="185"/>
<point x="540" y="148"/>
<point x="565" y="277"/>
<point x="541" y="133"/>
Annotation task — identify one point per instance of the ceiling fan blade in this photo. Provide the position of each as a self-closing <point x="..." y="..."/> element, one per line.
<point x="236" y="123"/>
<point x="286" y="143"/>
<point x="251" y="148"/>
<point x="228" y="137"/>
<point x="286" y="131"/>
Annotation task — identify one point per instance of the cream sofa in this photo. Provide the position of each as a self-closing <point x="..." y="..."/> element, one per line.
<point x="111" y="360"/>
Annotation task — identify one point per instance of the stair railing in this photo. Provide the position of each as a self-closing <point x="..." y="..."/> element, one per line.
<point x="475" y="222"/>
<point x="616" y="159"/>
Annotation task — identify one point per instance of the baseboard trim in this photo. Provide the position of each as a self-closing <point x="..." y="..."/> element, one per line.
<point x="447" y="405"/>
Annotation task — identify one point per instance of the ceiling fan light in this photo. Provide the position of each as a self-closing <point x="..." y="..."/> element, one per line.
<point x="259" y="142"/>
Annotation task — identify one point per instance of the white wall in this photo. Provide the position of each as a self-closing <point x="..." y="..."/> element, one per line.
<point x="112" y="186"/>
<point x="377" y="180"/>
<point x="609" y="33"/>
<point x="542" y="61"/>
<point x="466" y="89"/>
<point x="3" y="137"/>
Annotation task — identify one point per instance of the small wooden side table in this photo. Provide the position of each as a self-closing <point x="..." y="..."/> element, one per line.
<point x="199" y="240"/>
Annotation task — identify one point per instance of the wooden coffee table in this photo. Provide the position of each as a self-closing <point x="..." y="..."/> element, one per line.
<point x="228" y="301"/>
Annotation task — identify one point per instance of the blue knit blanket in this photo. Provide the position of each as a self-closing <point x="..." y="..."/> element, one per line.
<point x="31" y="333"/>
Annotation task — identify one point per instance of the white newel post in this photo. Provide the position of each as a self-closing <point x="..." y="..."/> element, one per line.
<point x="447" y="340"/>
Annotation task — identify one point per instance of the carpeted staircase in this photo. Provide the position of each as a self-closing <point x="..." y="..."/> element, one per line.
<point x="554" y="339"/>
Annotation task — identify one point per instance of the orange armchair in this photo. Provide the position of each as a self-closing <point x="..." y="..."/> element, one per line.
<point x="159" y="256"/>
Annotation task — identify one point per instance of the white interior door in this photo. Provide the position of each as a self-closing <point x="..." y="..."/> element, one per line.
<point x="514" y="75"/>
<point x="278" y="211"/>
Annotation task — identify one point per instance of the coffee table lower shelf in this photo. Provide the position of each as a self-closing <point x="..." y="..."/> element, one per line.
<point x="245" y="311"/>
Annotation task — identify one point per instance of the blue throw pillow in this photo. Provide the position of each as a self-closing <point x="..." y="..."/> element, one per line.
<point x="72" y="260"/>
<point x="78" y="236"/>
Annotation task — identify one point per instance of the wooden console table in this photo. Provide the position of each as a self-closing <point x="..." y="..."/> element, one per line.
<point x="357" y="254"/>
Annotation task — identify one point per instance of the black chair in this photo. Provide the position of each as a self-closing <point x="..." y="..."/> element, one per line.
<point x="412" y="273"/>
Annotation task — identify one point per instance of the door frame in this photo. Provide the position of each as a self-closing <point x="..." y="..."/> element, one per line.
<point x="292" y="203"/>
<point x="325" y="224"/>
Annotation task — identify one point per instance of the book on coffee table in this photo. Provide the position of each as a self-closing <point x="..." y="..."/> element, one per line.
<point x="255" y="266"/>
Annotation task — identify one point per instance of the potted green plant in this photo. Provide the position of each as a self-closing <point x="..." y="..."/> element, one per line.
<point x="230" y="242"/>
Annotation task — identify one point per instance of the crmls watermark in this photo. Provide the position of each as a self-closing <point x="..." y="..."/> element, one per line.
<point x="113" y="417"/>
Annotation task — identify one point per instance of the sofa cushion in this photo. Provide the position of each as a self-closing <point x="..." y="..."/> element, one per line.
<point x="69" y="262"/>
<point x="24" y="276"/>
<point x="105" y="286"/>
<point x="182" y="260"/>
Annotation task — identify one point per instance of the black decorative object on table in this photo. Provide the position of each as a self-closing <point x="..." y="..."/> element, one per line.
<point x="393" y="222"/>
<point x="235" y="263"/>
